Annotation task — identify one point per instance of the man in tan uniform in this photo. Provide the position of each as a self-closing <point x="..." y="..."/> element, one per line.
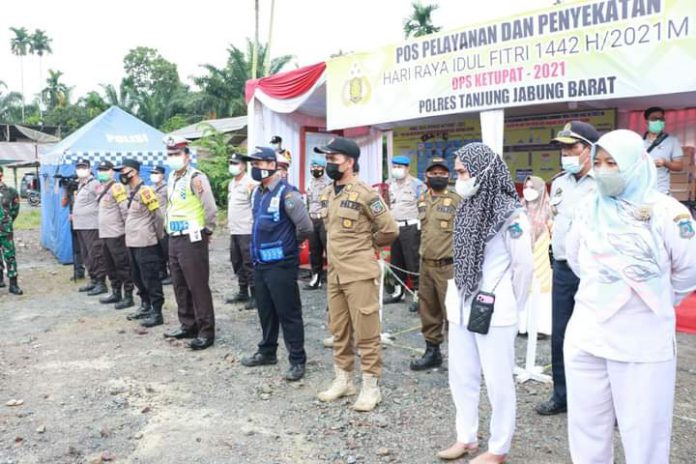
<point x="436" y="209"/>
<point x="357" y="222"/>
<point x="160" y="187"/>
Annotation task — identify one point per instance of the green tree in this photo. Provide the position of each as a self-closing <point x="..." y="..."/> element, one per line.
<point x="94" y="103"/>
<point x="123" y="97"/>
<point x="68" y="117"/>
<point x="420" y="23"/>
<point x="40" y="44"/>
<point x="10" y="104"/>
<point x="214" y="150"/>
<point x="19" y="44"/>
<point x="223" y="88"/>
<point x="56" y="93"/>
<point x="175" y="122"/>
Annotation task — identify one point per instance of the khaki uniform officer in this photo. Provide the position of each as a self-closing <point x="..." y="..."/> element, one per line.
<point x="159" y="185"/>
<point x="357" y="222"/>
<point x="436" y="209"/>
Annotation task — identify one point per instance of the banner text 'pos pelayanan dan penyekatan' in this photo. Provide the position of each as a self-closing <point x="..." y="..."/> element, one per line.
<point x="581" y="51"/>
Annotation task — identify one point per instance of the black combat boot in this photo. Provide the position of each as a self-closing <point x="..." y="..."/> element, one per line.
<point x="14" y="288"/>
<point x="99" y="289"/>
<point x="251" y="304"/>
<point x="314" y="283"/>
<point x="126" y="302"/>
<point x="142" y="312"/>
<point x="154" y="318"/>
<point x="395" y="297"/>
<point x="115" y="296"/>
<point x="2" y="282"/>
<point x="241" y="296"/>
<point x="431" y="358"/>
<point x="89" y="287"/>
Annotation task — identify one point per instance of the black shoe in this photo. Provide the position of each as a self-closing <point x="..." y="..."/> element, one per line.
<point x="241" y="296"/>
<point x="314" y="283"/>
<point x="2" y="284"/>
<point x="251" y="304"/>
<point x="126" y="301"/>
<point x="431" y="358"/>
<point x="14" y="288"/>
<point x="391" y="299"/>
<point x="201" y="343"/>
<point x="414" y="307"/>
<point x="153" y="319"/>
<point x="142" y="312"/>
<point x="98" y="289"/>
<point x="295" y="372"/>
<point x="180" y="333"/>
<point x="551" y="408"/>
<point x="167" y="280"/>
<point x="88" y="288"/>
<point x="115" y="297"/>
<point x="259" y="359"/>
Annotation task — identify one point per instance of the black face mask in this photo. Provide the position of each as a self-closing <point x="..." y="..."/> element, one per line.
<point x="317" y="173"/>
<point x="259" y="174"/>
<point x="438" y="183"/>
<point x="125" y="179"/>
<point x="332" y="170"/>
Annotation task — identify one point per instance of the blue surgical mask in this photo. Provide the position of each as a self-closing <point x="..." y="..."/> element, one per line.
<point x="571" y="164"/>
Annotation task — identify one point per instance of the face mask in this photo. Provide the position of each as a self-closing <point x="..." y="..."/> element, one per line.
<point x="155" y="178"/>
<point x="438" y="183"/>
<point x="82" y="173"/>
<point x="103" y="177"/>
<point x="398" y="173"/>
<point x="571" y="164"/>
<point x="610" y="183"/>
<point x="259" y="174"/>
<point x="317" y="173"/>
<point x="332" y="170"/>
<point x="656" y="127"/>
<point x="466" y="188"/>
<point x="235" y="169"/>
<point x="530" y="194"/>
<point x="177" y="163"/>
<point x="124" y="179"/>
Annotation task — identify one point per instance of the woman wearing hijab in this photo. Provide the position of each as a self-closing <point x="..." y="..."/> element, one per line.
<point x="493" y="272"/>
<point x="535" y="200"/>
<point x="635" y="253"/>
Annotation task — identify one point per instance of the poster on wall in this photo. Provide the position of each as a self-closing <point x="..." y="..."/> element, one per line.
<point x="527" y="141"/>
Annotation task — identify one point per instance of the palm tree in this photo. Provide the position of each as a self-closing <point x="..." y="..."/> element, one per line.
<point x="123" y="97"/>
<point x="20" y="46"/>
<point x="40" y="44"/>
<point x="94" y="103"/>
<point x="8" y="104"/>
<point x="56" y="93"/>
<point x="420" y="23"/>
<point x="223" y="88"/>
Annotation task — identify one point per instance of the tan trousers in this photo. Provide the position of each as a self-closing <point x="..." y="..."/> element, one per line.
<point x="433" y="287"/>
<point x="354" y="308"/>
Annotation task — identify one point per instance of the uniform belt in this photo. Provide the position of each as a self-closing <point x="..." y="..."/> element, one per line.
<point x="315" y="215"/>
<point x="439" y="262"/>
<point x="408" y="222"/>
<point x="178" y="234"/>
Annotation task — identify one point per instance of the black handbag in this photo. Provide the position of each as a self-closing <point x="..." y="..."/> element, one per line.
<point x="482" y="307"/>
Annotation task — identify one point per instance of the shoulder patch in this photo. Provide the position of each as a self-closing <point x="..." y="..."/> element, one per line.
<point x="149" y="198"/>
<point x="119" y="192"/>
<point x="686" y="228"/>
<point x="515" y="230"/>
<point x="289" y="200"/>
<point x="377" y="206"/>
<point x="197" y="184"/>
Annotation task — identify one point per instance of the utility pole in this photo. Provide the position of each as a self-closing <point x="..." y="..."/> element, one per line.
<point x="267" y="60"/>
<point x="255" y="47"/>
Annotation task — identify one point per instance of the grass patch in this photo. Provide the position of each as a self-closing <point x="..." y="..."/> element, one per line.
<point x="28" y="219"/>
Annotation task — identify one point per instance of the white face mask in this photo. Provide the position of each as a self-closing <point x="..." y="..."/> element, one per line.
<point x="235" y="169"/>
<point x="530" y="194"/>
<point x="399" y="173"/>
<point x="82" y="173"/>
<point x="176" y="162"/>
<point x="610" y="182"/>
<point x="155" y="178"/>
<point x="466" y="188"/>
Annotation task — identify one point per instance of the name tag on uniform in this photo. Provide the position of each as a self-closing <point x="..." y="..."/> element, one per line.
<point x="350" y="205"/>
<point x="178" y="226"/>
<point x="275" y="205"/>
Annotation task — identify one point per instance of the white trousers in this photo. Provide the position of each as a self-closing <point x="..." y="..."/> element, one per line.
<point x="494" y="354"/>
<point x="640" y="396"/>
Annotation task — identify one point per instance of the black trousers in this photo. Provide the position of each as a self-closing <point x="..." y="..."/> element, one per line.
<point x="405" y="252"/>
<point x="92" y="251"/>
<point x="145" y="266"/>
<point x="317" y="246"/>
<point x="240" y="255"/>
<point x="565" y="286"/>
<point x="164" y="252"/>
<point x="117" y="262"/>
<point x="279" y="306"/>
<point x="190" y="266"/>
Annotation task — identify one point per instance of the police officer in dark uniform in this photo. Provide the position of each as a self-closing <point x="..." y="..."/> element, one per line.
<point x="281" y="222"/>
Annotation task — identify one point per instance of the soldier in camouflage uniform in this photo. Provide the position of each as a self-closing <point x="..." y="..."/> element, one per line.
<point x="9" y="210"/>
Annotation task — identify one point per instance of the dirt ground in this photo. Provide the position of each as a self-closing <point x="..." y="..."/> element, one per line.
<point x="97" y="389"/>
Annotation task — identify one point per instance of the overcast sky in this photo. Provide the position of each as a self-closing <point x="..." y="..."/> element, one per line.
<point x="91" y="37"/>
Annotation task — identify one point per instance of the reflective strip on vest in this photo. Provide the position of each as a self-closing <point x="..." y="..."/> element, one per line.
<point x="184" y="207"/>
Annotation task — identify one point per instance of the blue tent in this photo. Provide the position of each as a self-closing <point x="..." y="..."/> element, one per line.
<point x="113" y="135"/>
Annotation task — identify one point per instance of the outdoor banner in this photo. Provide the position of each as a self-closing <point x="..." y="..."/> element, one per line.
<point x="592" y="50"/>
<point x="527" y="146"/>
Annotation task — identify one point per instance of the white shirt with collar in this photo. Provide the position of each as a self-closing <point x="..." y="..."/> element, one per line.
<point x="567" y="192"/>
<point x="507" y="259"/>
<point x="634" y="332"/>
<point x="239" y="215"/>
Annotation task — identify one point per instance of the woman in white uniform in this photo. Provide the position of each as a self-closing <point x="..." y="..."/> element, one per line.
<point x="635" y="253"/>
<point x="492" y="268"/>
